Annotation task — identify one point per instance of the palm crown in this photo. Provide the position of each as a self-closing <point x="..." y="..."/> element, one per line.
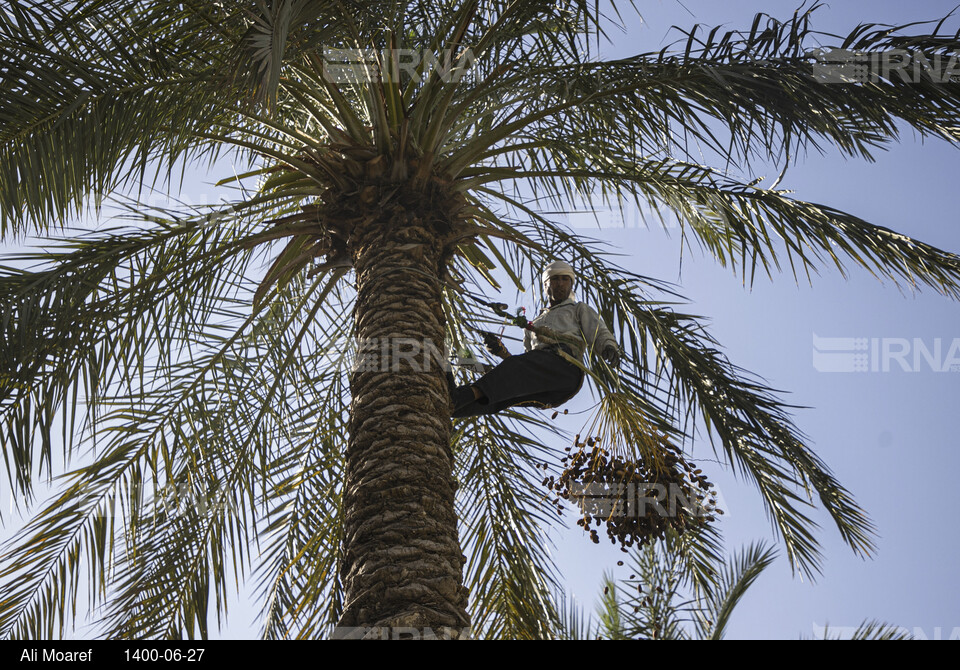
<point x="223" y="388"/>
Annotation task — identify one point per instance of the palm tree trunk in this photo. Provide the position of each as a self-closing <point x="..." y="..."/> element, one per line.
<point x="402" y="565"/>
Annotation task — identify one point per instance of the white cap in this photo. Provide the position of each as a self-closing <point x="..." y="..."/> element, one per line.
<point x="557" y="268"/>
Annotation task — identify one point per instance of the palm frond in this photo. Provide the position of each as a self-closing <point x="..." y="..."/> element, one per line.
<point x="91" y="316"/>
<point x="300" y="554"/>
<point x="652" y="604"/>
<point x="611" y="624"/>
<point x="573" y="623"/>
<point x="504" y="517"/>
<point x="736" y="575"/>
<point x="153" y="436"/>
<point x="300" y="557"/>
<point x="89" y="90"/>
<point x="868" y="630"/>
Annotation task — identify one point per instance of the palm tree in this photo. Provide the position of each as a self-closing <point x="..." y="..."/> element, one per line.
<point x="411" y="147"/>
<point x="677" y="591"/>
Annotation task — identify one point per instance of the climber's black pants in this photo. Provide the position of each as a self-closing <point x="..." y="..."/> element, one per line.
<point x="539" y="377"/>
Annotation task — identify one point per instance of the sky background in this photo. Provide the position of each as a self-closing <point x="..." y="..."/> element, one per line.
<point x="889" y="437"/>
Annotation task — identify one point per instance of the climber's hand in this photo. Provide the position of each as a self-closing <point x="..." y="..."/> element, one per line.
<point x="494" y="345"/>
<point x="612" y="356"/>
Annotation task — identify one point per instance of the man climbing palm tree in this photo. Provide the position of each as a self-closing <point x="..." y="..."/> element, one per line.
<point x="546" y="375"/>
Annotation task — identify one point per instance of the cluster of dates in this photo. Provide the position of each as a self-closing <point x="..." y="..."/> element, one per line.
<point x="636" y="500"/>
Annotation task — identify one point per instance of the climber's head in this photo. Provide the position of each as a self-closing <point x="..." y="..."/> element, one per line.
<point x="558" y="279"/>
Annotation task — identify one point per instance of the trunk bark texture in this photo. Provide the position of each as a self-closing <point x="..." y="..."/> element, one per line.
<point x="402" y="565"/>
